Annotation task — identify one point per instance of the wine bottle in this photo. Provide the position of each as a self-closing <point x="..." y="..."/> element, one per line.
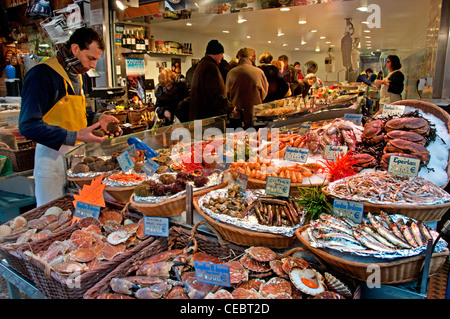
<point x="146" y="42"/>
<point x="122" y="40"/>
<point x="141" y="39"/>
<point x="133" y="41"/>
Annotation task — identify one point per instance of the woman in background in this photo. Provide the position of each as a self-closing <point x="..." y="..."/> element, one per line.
<point x="392" y="85"/>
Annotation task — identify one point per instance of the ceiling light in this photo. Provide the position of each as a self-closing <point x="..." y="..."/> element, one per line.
<point x="367" y="37"/>
<point x="280" y="34"/>
<point x="303" y="43"/>
<point x="226" y="31"/>
<point x="365" y="22"/>
<point x="367" y="31"/>
<point x="285" y="9"/>
<point x="302" y="22"/>
<point x="362" y="9"/>
<point x="317" y="50"/>
<point x="120" y="5"/>
<point x="328" y="42"/>
<point x="313" y="30"/>
<point x="188" y="24"/>
<point x="322" y="37"/>
<point x="249" y="37"/>
<point x="285" y="44"/>
<point x="269" y="41"/>
<point x="241" y="20"/>
<point x="332" y="45"/>
<point x="296" y="49"/>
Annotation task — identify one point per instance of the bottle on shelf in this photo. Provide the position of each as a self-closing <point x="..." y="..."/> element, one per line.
<point x="128" y="39"/>
<point x="190" y="48"/>
<point x="133" y="41"/>
<point x="138" y="41"/>
<point x="146" y="42"/>
<point x="124" y="39"/>
<point x="152" y="44"/>
<point x="141" y="38"/>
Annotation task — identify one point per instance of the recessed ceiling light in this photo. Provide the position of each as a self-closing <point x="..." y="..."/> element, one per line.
<point x="317" y="50"/>
<point x="285" y="9"/>
<point x="313" y="30"/>
<point x="332" y="45"/>
<point x="302" y="22"/>
<point x="249" y="37"/>
<point x="280" y="34"/>
<point x="285" y="44"/>
<point x="322" y="37"/>
<point x="296" y="49"/>
<point x="367" y="31"/>
<point x="367" y="37"/>
<point x="269" y="41"/>
<point x="364" y="22"/>
<point x="188" y="24"/>
<point x="226" y="31"/>
<point x="303" y="43"/>
<point x="362" y="9"/>
<point x="241" y="20"/>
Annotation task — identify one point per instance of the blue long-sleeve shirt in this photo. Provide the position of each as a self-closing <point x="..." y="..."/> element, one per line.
<point x="42" y="89"/>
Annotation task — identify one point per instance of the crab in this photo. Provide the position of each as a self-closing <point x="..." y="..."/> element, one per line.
<point x="364" y="161"/>
<point x="405" y="135"/>
<point x="142" y="287"/>
<point x="402" y="146"/>
<point x="413" y="124"/>
<point x="373" y="132"/>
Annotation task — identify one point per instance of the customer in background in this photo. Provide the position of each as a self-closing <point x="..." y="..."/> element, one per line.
<point x="278" y="87"/>
<point x="289" y="73"/>
<point x="279" y="66"/>
<point x="366" y="77"/>
<point x="208" y="95"/>
<point x="53" y="110"/>
<point x="299" y="72"/>
<point x="392" y="85"/>
<point x="172" y="98"/>
<point x="306" y="84"/>
<point x="246" y="85"/>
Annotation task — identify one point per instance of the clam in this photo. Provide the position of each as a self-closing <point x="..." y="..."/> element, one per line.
<point x="308" y="281"/>
<point x="54" y="210"/>
<point x="337" y="286"/>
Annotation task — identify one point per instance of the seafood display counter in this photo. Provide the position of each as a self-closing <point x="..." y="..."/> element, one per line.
<point x="275" y="225"/>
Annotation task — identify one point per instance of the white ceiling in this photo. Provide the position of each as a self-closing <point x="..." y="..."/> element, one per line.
<point x="404" y="25"/>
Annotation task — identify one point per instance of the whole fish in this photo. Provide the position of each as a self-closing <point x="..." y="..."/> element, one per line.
<point x="416" y="233"/>
<point x="396" y="230"/>
<point x="378" y="237"/>
<point x="337" y="236"/>
<point x="339" y="227"/>
<point x="383" y="231"/>
<point x="332" y="219"/>
<point x="425" y="232"/>
<point x="409" y="236"/>
<point x="370" y="244"/>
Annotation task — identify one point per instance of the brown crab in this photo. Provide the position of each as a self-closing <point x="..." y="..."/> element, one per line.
<point x="373" y="132"/>
<point x="402" y="146"/>
<point x="364" y="161"/>
<point x="405" y="135"/>
<point x="413" y="124"/>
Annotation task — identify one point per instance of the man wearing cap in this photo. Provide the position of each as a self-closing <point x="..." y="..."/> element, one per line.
<point x="208" y="96"/>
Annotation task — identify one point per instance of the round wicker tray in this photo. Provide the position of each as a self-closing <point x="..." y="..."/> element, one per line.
<point x="430" y="108"/>
<point x="246" y="237"/>
<point x="81" y="181"/>
<point x="120" y="194"/>
<point x="424" y="213"/>
<point x="172" y="207"/>
<point x="394" y="272"/>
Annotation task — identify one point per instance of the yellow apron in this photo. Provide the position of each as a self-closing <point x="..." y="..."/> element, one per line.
<point x="69" y="113"/>
<point x="388" y="97"/>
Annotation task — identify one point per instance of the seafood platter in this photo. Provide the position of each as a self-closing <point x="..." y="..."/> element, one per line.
<point x="85" y="251"/>
<point x="393" y="242"/>
<point x="166" y="270"/>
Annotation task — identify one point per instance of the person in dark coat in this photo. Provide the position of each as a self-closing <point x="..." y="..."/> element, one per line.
<point x="278" y="87"/>
<point x="305" y="84"/>
<point x="208" y="95"/>
<point x="172" y="98"/>
<point x="366" y="77"/>
<point x="289" y="73"/>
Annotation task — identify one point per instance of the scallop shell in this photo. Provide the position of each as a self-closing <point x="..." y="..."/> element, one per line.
<point x="274" y="286"/>
<point x="308" y="281"/>
<point x="18" y="223"/>
<point x="242" y="293"/>
<point x="5" y="230"/>
<point x="118" y="237"/>
<point x="337" y="286"/>
<point x="261" y="253"/>
<point x="220" y="294"/>
<point x="254" y="265"/>
<point x="54" y="210"/>
<point x="83" y="255"/>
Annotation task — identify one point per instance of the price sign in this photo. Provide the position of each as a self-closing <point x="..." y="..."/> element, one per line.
<point x="150" y="167"/>
<point x="400" y="165"/>
<point x="304" y="128"/>
<point x="131" y="150"/>
<point x="83" y="210"/>
<point x="214" y="274"/>
<point x="278" y="186"/>
<point x="331" y="151"/>
<point x="393" y="110"/>
<point x="349" y="209"/>
<point x="125" y="161"/>
<point x="156" y="226"/>
<point x="354" y="118"/>
<point x="242" y="182"/>
<point x="296" y="154"/>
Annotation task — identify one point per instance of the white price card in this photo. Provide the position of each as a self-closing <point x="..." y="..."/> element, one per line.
<point x="211" y="273"/>
<point x="156" y="226"/>
<point x="401" y="165"/>
<point x="331" y="151"/>
<point x="354" y="118"/>
<point x="393" y="110"/>
<point x="349" y="209"/>
<point x="278" y="186"/>
<point x="125" y="162"/>
<point x="296" y="154"/>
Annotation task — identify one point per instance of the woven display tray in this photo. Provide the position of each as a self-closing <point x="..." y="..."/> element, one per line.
<point x="245" y="237"/>
<point x="179" y="238"/>
<point x="10" y="253"/>
<point x="21" y="159"/>
<point x="393" y="272"/>
<point x="120" y="194"/>
<point x="424" y="213"/>
<point x="430" y="108"/>
<point x="172" y="207"/>
<point x="53" y="285"/>
<point x="81" y="181"/>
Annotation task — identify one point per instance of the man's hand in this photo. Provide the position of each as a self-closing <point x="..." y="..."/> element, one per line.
<point x="85" y="135"/>
<point x="104" y="120"/>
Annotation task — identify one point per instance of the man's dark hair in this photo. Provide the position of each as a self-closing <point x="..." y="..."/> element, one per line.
<point x="283" y="57"/>
<point x="85" y="36"/>
<point x="369" y="70"/>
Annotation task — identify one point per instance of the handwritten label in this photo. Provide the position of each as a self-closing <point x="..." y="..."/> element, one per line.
<point x="150" y="167"/>
<point x="400" y="165"/>
<point x="214" y="274"/>
<point x="131" y="150"/>
<point x="349" y="209"/>
<point x="125" y="161"/>
<point x="83" y="210"/>
<point x="304" y="128"/>
<point x="354" y="118"/>
<point x="242" y="181"/>
<point x="331" y="151"/>
<point x="278" y="186"/>
<point x="296" y="154"/>
<point x="393" y="110"/>
<point x="156" y="226"/>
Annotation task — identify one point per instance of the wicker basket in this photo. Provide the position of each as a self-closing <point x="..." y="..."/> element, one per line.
<point x="120" y="115"/>
<point x="9" y="252"/>
<point x="179" y="238"/>
<point x="259" y="184"/>
<point x="81" y="181"/>
<point x="120" y="194"/>
<point x="245" y="237"/>
<point x="172" y="207"/>
<point x="394" y="272"/>
<point x="55" y="286"/>
<point x="430" y="108"/>
<point x="21" y="159"/>
<point x="424" y="213"/>
<point x="134" y="116"/>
